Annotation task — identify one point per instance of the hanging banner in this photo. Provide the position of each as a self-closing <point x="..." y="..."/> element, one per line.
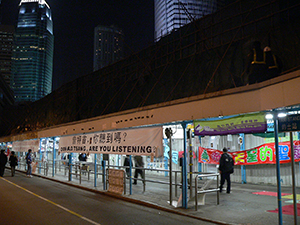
<point x="263" y="154"/>
<point x="23" y="146"/>
<point x="248" y="123"/>
<point x="143" y="141"/>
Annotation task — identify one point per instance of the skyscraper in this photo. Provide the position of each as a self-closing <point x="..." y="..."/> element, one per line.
<point x="33" y="51"/>
<point x="173" y="14"/>
<point x="6" y="46"/>
<point x="108" y="46"/>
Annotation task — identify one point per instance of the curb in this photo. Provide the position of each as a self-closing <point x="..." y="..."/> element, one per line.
<point x="135" y="201"/>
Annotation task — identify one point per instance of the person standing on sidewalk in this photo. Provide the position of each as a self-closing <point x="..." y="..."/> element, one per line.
<point x="127" y="163"/>
<point x="13" y="160"/>
<point x="226" y="168"/>
<point x="3" y="161"/>
<point x="140" y="164"/>
<point x="28" y="162"/>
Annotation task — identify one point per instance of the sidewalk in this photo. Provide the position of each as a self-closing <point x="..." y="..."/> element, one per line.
<point x="247" y="204"/>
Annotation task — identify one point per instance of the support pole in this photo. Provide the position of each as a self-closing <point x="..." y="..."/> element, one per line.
<point x="243" y="167"/>
<point x="278" y="170"/>
<point x="46" y="152"/>
<point x="130" y="175"/>
<point x="70" y="166"/>
<point x="293" y="178"/>
<point x="40" y="151"/>
<point x="191" y="161"/>
<point x="18" y="160"/>
<point x="95" y="170"/>
<point x="184" y="171"/>
<point x="199" y="164"/>
<point x="103" y="175"/>
<point x="54" y="157"/>
<point x="169" y="133"/>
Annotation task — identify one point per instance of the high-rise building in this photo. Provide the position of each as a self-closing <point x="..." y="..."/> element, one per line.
<point x="33" y="51"/>
<point x="108" y="46"/>
<point x="6" y="46"/>
<point x="173" y="14"/>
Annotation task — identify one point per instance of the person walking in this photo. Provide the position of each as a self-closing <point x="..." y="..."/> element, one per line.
<point x="13" y="161"/>
<point x="28" y="162"/>
<point x="127" y="163"/>
<point x="3" y="161"/>
<point x="226" y="168"/>
<point x="140" y="164"/>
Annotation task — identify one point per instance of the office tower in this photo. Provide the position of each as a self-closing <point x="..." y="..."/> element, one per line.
<point x="108" y="46"/>
<point x="33" y="51"/>
<point x="6" y="46"/>
<point x="173" y="14"/>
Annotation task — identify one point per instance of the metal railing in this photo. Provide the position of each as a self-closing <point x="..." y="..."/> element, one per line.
<point x="43" y="165"/>
<point x="203" y="190"/>
<point x="80" y="169"/>
<point x="176" y="172"/>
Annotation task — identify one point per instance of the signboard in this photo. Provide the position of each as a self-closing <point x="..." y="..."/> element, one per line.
<point x="23" y="146"/>
<point x="143" y="141"/>
<point x="116" y="181"/>
<point x="248" y="123"/>
<point x="289" y="123"/>
<point x="263" y="154"/>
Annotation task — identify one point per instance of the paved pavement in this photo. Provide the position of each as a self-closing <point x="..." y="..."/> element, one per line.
<point x="241" y="206"/>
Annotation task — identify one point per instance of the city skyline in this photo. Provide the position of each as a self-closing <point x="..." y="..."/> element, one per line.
<point x="74" y="25"/>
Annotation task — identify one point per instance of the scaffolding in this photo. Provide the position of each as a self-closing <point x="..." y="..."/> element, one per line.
<point x="206" y="55"/>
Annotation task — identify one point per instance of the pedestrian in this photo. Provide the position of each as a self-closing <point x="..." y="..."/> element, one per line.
<point x="273" y="63"/>
<point x="140" y="164"/>
<point x="89" y="158"/>
<point x="226" y="168"/>
<point x="3" y="161"/>
<point x="127" y="163"/>
<point x="82" y="157"/>
<point x="66" y="159"/>
<point x="28" y="162"/>
<point x="13" y="161"/>
<point x="256" y="65"/>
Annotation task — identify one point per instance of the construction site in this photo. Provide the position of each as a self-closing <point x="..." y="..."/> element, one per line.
<point x="207" y="55"/>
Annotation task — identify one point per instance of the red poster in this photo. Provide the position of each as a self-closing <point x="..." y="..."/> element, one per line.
<point x="263" y="154"/>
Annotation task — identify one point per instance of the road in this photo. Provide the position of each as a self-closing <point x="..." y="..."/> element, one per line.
<point x="36" y="200"/>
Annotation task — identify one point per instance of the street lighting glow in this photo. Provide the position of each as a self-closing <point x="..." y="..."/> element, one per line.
<point x="269" y="116"/>
<point x="280" y="115"/>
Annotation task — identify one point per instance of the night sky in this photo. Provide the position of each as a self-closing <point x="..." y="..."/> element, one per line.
<point x="74" y="23"/>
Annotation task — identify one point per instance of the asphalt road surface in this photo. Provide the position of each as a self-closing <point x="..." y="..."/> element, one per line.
<point x="36" y="200"/>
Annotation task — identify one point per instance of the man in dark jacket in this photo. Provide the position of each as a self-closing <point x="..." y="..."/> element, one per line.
<point x="13" y="160"/>
<point x="28" y="162"/>
<point x="140" y="164"/>
<point x="3" y="161"/>
<point x="226" y="168"/>
<point x="127" y="163"/>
